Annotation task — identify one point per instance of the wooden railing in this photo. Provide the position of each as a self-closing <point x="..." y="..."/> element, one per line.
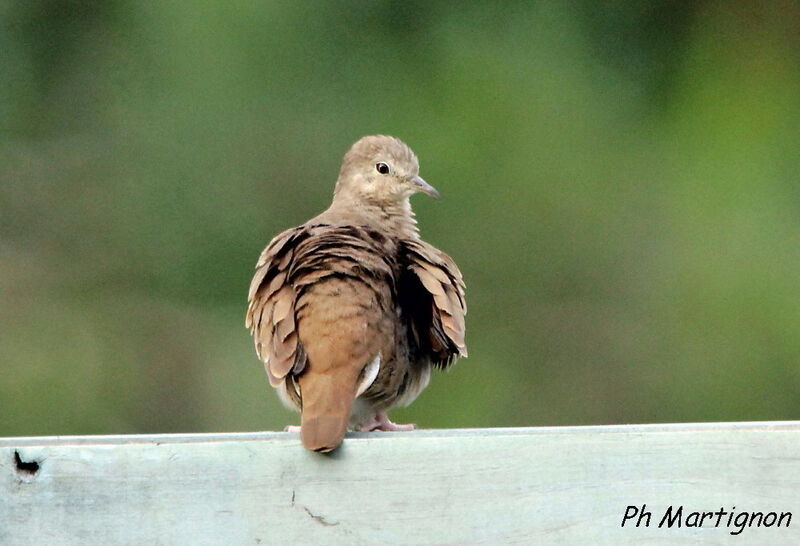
<point x="572" y="485"/>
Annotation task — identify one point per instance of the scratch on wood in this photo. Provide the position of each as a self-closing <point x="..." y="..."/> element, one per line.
<point x="320" y="519"/>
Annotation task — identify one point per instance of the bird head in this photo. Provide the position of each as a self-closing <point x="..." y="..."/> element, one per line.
<point x="381" y="169"/>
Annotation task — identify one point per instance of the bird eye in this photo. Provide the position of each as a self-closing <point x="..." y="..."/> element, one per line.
<point x="382" y="168"/>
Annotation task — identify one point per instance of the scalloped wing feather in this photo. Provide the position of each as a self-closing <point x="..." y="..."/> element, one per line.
<point x="294" y="260"/>
<point x="270" y="311"/>
<point x="442" y="279"/>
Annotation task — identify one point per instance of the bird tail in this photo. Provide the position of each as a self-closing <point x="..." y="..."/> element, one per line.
<point x="327" y="401"/>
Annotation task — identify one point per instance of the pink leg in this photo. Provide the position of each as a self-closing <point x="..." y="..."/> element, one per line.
<point x="292" y="428"/>
<point x="380" y="421"/>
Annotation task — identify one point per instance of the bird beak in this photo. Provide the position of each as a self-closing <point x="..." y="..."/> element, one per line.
<point x="424" y="187"/>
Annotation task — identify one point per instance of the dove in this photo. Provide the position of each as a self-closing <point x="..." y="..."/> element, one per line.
<point x="350" y="311"/>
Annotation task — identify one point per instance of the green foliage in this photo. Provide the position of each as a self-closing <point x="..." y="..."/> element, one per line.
<point x="620" y="190"/>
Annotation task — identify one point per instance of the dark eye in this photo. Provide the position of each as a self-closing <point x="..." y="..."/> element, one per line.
<point x="382" y="168"/>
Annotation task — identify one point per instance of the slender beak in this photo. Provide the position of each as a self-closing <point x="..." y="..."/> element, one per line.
<point x="424" y="187"/>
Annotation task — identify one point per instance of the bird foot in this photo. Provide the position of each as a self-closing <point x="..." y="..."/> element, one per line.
<point x="380" y="421"/>
<point x="292" y="428"/>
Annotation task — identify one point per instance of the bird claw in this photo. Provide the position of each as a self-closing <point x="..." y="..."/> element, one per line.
<point x="380" y="421"/>
<point x="397" y="426"/>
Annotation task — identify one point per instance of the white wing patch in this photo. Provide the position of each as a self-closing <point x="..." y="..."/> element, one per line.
<point x="369" y="374"/>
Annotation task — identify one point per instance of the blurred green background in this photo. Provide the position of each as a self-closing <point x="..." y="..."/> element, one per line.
<point x="620" y="188"/>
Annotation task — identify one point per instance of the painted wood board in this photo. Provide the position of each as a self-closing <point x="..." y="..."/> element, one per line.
<point x="555" y="485"/>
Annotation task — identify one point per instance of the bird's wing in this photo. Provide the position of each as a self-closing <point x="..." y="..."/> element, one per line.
<point x="431" y="294"/>
<point x="287" y="284"/>
<point x="271" y="308"/>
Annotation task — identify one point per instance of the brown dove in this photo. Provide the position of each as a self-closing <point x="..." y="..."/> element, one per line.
<point x="351" y="310"/>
